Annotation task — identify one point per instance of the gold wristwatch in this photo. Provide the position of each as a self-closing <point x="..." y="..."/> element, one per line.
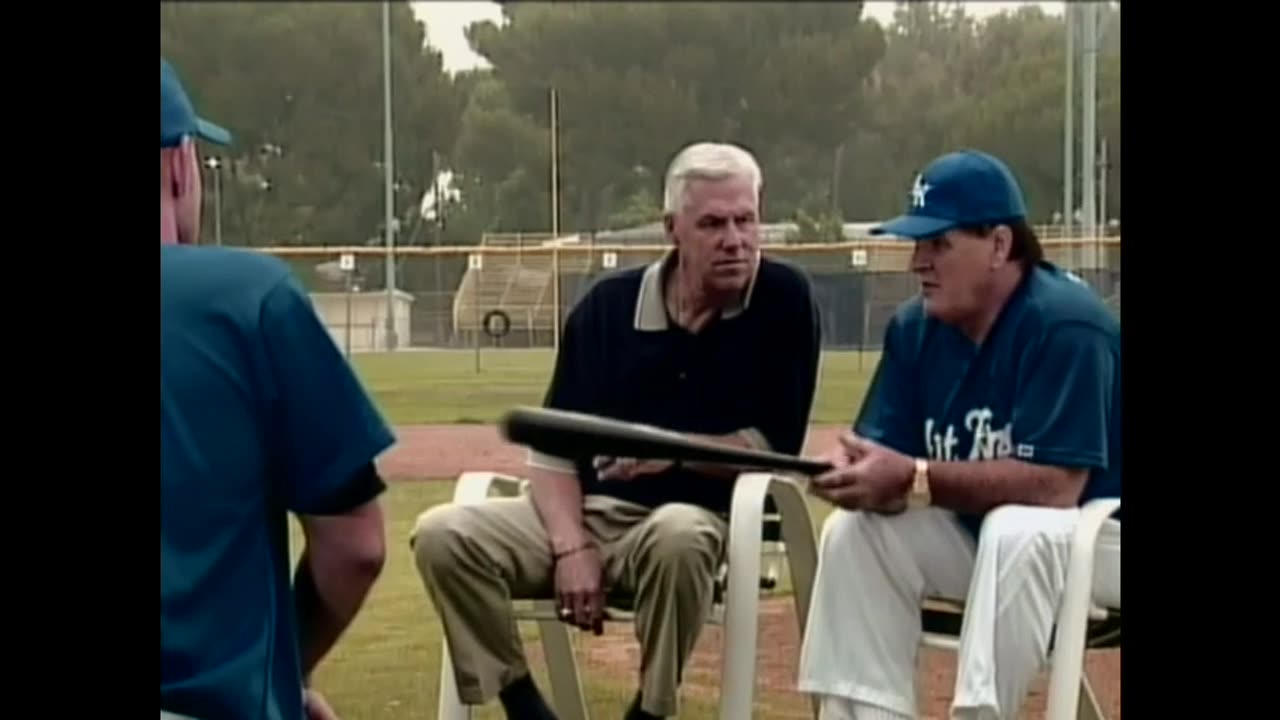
<point x="920" y="496"/>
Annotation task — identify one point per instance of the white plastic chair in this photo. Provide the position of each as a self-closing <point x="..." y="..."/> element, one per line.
<point x="736" y="607"/>
<point x="1069" y="693"/>
<point x="1082" y="622"/>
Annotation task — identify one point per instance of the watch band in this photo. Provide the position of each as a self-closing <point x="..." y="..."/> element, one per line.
<point x="920" y="495"/>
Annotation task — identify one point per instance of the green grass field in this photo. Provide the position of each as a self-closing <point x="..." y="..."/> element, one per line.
<point x="444" y="386"/>
<point x="387" y="665"/>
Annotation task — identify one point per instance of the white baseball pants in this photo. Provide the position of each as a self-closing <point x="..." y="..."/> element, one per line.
<point x="861" y="645"/>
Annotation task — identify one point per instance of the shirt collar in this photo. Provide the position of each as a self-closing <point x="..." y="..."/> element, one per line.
<point x="651" y="306"/>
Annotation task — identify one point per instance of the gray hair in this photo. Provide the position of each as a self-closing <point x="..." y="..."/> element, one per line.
<point x="707" y="161"/>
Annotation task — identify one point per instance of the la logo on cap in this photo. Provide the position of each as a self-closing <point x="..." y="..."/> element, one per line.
<point x="918" y="190"/>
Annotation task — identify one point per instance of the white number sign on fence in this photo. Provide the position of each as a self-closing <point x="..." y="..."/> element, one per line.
<point x="858" y="257"/>
<point x="347" y="262"/>
<point x="609" y="260"/>
<point x="475" y="261"/>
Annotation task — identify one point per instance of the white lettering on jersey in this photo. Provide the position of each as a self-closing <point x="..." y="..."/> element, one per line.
<point x="987" y="443"/>
<point x="938" y="445"/>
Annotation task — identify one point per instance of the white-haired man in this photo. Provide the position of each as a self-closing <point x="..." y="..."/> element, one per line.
<point x="714" y="340"/>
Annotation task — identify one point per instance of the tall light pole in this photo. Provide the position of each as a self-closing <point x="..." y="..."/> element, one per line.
<point x="388" y="177"/>
<point x="554" y="111"/>
<point x="1089" y="124"/>
<point x="1103" y="165"/>
<point x="215" y="165"/>
<point x="1068" y="124"/>
<point x="554" y="101"/>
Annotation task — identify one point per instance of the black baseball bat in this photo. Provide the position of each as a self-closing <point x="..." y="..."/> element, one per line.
<point x="584" y="436"/>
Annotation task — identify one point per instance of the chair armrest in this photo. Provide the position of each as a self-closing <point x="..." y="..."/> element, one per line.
<point x="1093" y="515"/>
<point x="1084" y="543"/>
<point x="799" y="536"/>
<point x="1077" y="597"/>
<point x="742" y="599"/>
<point x="474" y="487"/>
<point x="747" y="517"/>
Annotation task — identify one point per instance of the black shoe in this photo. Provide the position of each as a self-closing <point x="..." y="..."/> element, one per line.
<point x="522" y="701"/>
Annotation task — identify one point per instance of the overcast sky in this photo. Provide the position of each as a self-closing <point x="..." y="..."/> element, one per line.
<point x="447" y="20"/>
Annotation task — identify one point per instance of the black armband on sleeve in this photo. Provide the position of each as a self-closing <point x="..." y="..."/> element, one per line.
<point x="364" y="486"/>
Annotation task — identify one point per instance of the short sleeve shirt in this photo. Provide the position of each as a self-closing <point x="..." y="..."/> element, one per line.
<point x="260" y="415"/>
<point x="1044" y="387"/>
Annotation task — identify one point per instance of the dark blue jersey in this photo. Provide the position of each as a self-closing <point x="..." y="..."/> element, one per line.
<point x="1044" y="387"/>
<point x="260" y="415"/>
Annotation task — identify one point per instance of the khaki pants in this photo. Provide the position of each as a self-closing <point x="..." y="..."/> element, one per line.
<point x="475" y="559"/>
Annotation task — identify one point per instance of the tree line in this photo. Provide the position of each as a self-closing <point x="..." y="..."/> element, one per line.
<point x="840" y="110"/>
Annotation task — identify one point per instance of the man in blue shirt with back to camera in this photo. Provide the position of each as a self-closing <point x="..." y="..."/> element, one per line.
<point x="260" y="415"/>
<point x="994" y="413"/>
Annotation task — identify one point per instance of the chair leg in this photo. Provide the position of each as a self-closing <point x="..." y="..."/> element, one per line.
<point x="1089" y="707"/>
<point x="472" y="487"/>
<point x="562" y="667"/>
<point x="802" y="558"/>
<point x="771" y="566"/>
<point x="450" y="705"/>
<point x="1067" y="671"/>
<point x="742" y="597"/>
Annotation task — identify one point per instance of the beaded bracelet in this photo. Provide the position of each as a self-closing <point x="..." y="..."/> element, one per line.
<point x="575" y="549"/>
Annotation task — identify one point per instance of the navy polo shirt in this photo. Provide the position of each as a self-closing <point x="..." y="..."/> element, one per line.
<point x="1044" y="387"/>
<point x="260" y="414"/>
<point x="753" y="368"/>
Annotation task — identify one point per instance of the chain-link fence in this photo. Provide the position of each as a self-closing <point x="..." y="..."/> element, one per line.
<point x="514" y="295"/>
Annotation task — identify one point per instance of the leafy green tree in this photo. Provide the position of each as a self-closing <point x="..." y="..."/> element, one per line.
<point x="300" y="85"/>
<point x="636" y="81"/>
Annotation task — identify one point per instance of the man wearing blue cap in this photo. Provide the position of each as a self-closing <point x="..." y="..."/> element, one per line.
<point x="180" y="187"/>
<point x="993" y="414"/>
<point x="260" y="415"/>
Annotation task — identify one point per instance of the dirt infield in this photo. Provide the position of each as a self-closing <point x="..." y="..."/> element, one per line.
<point x="444" y="451"/>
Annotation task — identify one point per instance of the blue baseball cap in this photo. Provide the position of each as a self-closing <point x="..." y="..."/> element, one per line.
<point x="967" y="187"/>
<point x="178" y="117"/>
